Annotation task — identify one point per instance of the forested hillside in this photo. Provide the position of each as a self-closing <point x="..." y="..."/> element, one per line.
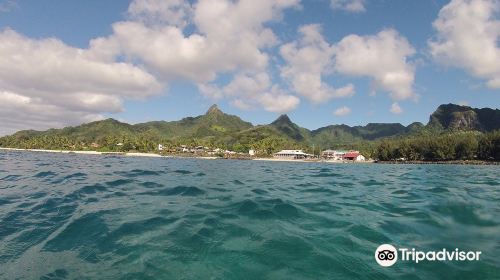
<point x="453" y="132"/>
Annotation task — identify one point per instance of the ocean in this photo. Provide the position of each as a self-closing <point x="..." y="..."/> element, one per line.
<point x="66" y="216"/>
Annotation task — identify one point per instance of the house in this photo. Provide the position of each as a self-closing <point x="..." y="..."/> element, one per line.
<point x="292" y="154"/>
<point x="333" y="154"/>
<point x="160" y="147"/>
<point x="354" y="156"/>
<point x="252" y="152"/>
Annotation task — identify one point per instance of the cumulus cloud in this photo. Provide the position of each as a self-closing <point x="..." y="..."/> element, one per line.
<point x="44" y="79"/>
<point x="383" y="57"/>
<point x="229" y="36"/>
<point x="204" y="42"/>
<point x="354" y="6"/>
<point x="468" y="36"/>
<point x="78" y="85"/>
<point x="308" y="60"/>
<point x="396" y="109"/>
<point x="253" y="91"/>
<point x="342" y="111"/>
<point x="23" y="112"/>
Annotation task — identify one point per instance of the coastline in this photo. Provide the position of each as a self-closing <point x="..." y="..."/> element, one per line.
<point x="454" y="162"/>
<point x="127" y="154"/>
<point x="85" y="152"/>
<point x="313" y="161"/>
<point x="154" y="155"/>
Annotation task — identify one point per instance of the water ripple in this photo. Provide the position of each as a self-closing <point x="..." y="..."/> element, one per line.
<point x="68" y="216"/>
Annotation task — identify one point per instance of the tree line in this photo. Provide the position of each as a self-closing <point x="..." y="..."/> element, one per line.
<point x="460" y="145"/>
<point x="148" y="143"/>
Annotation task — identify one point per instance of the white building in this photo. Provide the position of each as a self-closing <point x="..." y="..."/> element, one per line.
<point x="360" y="158"/>
<point x="292" y="154"/>
<point x="252" y="152"/>
<point x="160" y="147"/>
<point x="333" y="154"/>
<point x="354" y="156"/>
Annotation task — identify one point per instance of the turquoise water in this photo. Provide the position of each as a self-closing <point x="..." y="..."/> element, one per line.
<point x="95" y="217"/>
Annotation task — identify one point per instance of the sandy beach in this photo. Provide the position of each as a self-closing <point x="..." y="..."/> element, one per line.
<point x="86" y="152"/>
<point x="104" y="153"/>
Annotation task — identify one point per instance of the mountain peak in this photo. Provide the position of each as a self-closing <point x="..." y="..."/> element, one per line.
<point x="214" y="109"/>
<point x="282" y="119"/>
<point x="452" y="116"/>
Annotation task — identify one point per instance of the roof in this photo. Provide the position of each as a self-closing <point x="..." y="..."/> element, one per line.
<point x="351" y="154"/>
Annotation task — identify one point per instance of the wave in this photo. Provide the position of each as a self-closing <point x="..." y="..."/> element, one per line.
<point x="116" y="217"/>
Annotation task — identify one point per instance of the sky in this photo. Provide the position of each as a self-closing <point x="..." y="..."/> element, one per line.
<point x="322" y="62"/>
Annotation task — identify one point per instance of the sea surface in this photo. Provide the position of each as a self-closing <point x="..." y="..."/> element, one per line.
<point x="65" y="216"/>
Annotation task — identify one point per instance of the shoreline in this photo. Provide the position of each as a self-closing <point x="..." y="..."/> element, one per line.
<point x="127" y="154"/>
<point x="313" y="161"/>
<point x="451" y="162"/>
<point x="84" y="152"/>
<point x="154" y="155"/>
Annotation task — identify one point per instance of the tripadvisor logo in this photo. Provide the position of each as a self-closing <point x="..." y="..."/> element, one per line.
<point x="387" y="255"/>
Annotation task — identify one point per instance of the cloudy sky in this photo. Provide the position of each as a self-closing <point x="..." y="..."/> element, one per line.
<point x="64" y="62"/>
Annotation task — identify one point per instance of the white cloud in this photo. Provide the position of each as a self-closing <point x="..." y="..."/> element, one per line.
<point x="276" y="101"/>
<point x="342" y="111"/>
<point x="19" y="112"/>
<point x="253" y="91"/>
<point x="166" y="40"/>
<point x="468" y="36"/>
<point x="308" y="60"/>
<point x="50" y="81"/>
<point x="354" y="6"/>
<point x="229" y="37"/>
<point x="76" y="85"/>
<point x="383" y="57"/>
<point x="396" y="109"/>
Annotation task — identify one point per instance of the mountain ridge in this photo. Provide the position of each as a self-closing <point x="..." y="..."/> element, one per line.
<point x="216" y="128"/>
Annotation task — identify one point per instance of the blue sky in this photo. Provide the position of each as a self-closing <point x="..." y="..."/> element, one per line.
<point x="320" y="61"/>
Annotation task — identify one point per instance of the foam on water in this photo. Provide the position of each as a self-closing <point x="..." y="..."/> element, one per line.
<point x="92" y="217"/>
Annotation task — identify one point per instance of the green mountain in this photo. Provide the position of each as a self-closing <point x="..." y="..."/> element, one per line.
<point x="456" y="117"/>
<point x="218" y="129"/>
<point x="90" y="131"/>
<point x="335" y="135"/>
<point x="213" y="123"/>
<point x="285" y="126"/>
